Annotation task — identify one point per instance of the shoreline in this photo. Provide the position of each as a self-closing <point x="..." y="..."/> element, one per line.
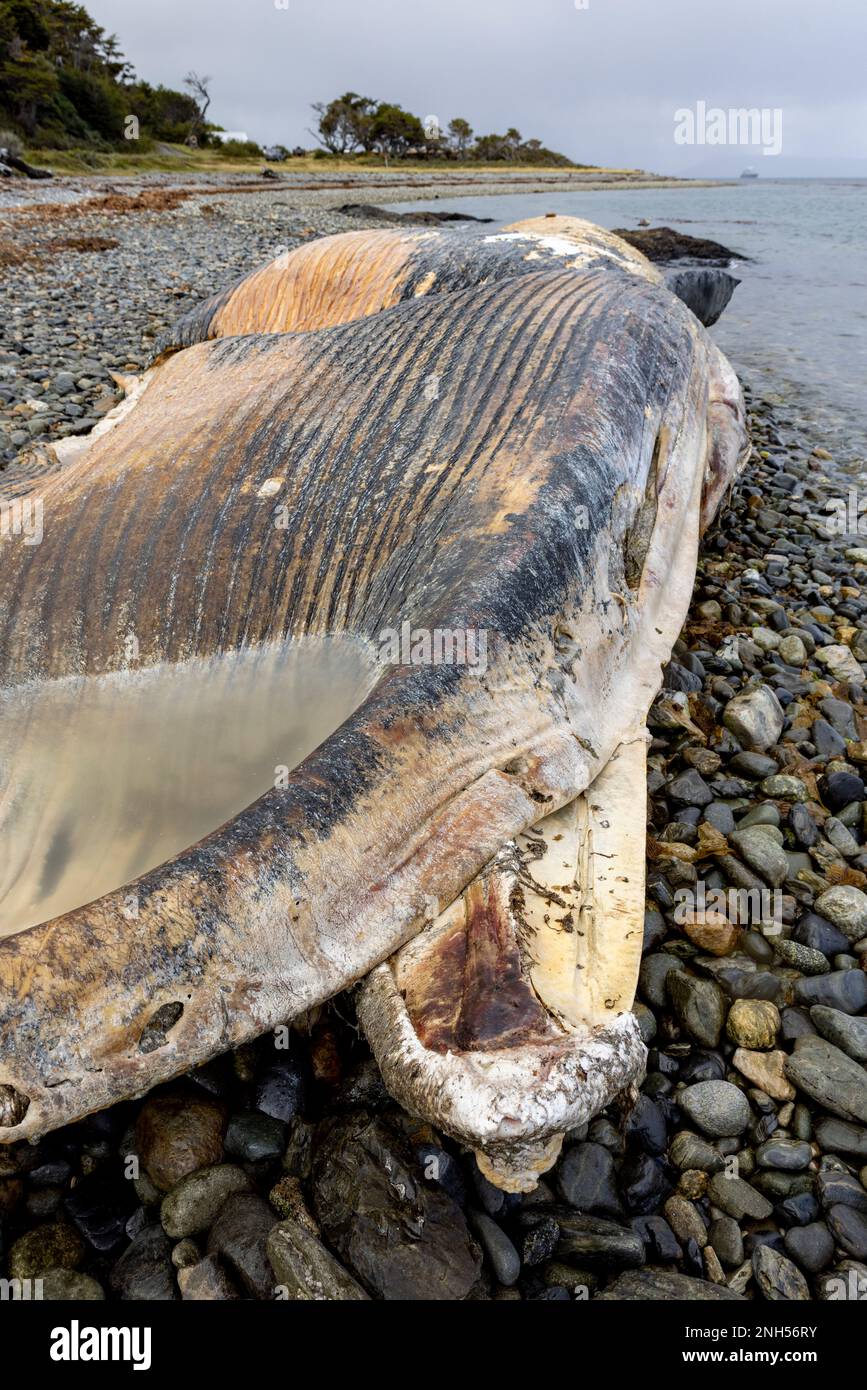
<point x="721" y="1003"/>
<point x="391" y="185"/>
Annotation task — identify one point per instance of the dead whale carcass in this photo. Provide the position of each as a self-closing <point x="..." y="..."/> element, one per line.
<point x="548" y="493"/>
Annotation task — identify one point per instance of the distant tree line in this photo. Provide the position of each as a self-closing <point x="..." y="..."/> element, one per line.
<point x="64" y="82"/>
<point x="354" y="125"/>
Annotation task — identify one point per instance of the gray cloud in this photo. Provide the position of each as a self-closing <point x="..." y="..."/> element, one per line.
<point x="601" y="84"/>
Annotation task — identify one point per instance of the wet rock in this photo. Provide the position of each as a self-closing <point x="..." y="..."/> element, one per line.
<point x="777" y="1277"/>
<point x="54" y="1245"/>
<point x="304" y="1270"/>
<point x="145" y="1271"/>
<point x="685" y="1220"/>
<point x="539" y="1241"/>
<point x="664" y="1285"/>
<point x="811" y="1246"/>
<point x="176" y="1133"/>
<point x="70" y="1286"/>
<point x="838" y="789"/>
<point x="784" y="787"/>
<point x="845" y="1032"/>
<point x="502" y="1255"/>
<point x="586" y="1179"/>
<point x="255" y="1138"/>
<point x="239" y="1237"/>
<point x="195" y="1203"/>
<point x="596" y="1243"/>
<point x="762" y="853"/>
<point x="280" y="1091"/>
<point x="790" y="1154"/>
<point x="849" y="1229"/>
<point x="643" y="1183"/>
<point x="646" y="1126"/>
<point x="829" y="1077"/>
<point x="725" y="1237"/>
<point x="689" y="789"/>
<point x="403" y="1238"/>
<point x="738" y="1198"/>
<point x="653" y="974"/>
<point x="689" y="1152"/>
<point x="99" y="1207"/>
<point x="844" y="990"/>
<point x="805" y="830"/>
<point x="716" y="1107"/>
<point x="802" y="958"/>
<point x="753" y="1023"/>
<point x="845" y="907"/>
<point x="206" y="1282"/>
<point x="700" y="1006"/>
<point x="838" y="1136"/>
<point x="658" y="1237"/>
<point x="755" y="718"/>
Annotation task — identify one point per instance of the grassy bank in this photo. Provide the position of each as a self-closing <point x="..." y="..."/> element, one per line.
<point x="165" y="158"/>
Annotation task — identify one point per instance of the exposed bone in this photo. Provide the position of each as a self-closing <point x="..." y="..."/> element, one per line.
<point x="507" y="1021"/>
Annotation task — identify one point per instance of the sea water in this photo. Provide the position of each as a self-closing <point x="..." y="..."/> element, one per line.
<point x="105" y="777"/>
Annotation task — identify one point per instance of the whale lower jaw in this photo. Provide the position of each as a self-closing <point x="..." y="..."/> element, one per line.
<point x="512" y="1107"/>
<point x="507" y="1022"/>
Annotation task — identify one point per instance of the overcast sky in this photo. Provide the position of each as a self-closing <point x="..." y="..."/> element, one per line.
<point x="600" y="83"/>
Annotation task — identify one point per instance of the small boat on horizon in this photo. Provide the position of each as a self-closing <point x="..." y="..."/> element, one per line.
<point x="749" y="174"/>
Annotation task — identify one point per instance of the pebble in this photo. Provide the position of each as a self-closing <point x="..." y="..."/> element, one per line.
<point x="193" y="1205"/>
<point x="304" y="1271"/>
<point x="829" y="1077"/>
<point x="738" y="1198"/>
<point x="791" y="1154"/>
<point x="177" y="1133"/>
<point x="845" y="907"/>
<point x="755" y="718"/>
<point x="845" y="1032"/>
<point x="811" y="1246"/>
<point x="843" y="990"/>
<point x="700" y="1006"/>
<point x="778" y="1279"/>
<point x="753" y="1023"/>
<point x="849" y="1229"/>
<point x="717" y="1107"/>
<point x="144" y="1272"/>
<point x="766" y="1070"/>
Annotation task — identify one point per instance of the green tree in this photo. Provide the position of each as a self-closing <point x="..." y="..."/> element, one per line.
<point x="461" y="135"/>
<point x="396" y="131"/>
<point x="345" y="124"/>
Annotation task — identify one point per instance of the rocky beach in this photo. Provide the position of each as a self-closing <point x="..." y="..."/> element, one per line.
<point x="284" y="1170"/>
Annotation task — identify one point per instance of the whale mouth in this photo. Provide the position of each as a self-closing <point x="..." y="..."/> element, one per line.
<point x="106" y="777"/>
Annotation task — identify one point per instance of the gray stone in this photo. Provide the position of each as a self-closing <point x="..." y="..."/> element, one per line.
<point x="831" y="1078"/>
<point x="755" y="717"/>
<point x="841" y="1029"/>
<point x="760" y="851"/>
<point x="777" y="1278"/>
<point x="790" y="1154"/>
<point x="664" y="1285"/>
<point x="700" y="1006"/>
<point x="846" y="908"/>
<point x="737" y="1198"/>
<point x="845" y="990"/>
<point x="718" y="1108"/>
<point x="195" y="1203"/>
<point x="304" y="1270"/>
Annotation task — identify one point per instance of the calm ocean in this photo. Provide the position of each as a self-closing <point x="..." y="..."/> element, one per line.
<point x="796" y="329"/>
